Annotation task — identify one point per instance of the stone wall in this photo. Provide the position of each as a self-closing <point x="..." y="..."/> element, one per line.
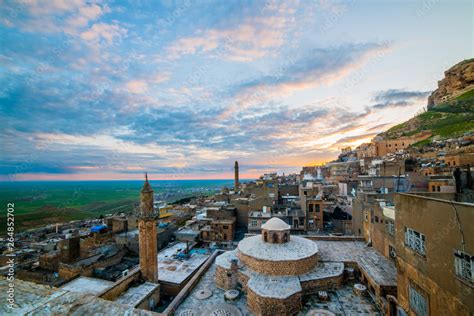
<point x="49" y="261"/>
<point x="121" y="285"/>
<point x="148" y="249"/>
<point x="150" y="301"/>
<point x="70" y="271"/>
<point x="264" y="306"/>
<point x="313" y="286"/>
<point x="223" y="278"/>
<point x="440" y="301"/>
<point x="243" y="280"/>
<point x="295" y="267"/>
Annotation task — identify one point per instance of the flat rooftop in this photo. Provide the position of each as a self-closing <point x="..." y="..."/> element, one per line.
<point x="176" y="270"/>
<point x="136" y="294"/>
<point x="379" y="268"/>
<point x="88" y="285"/>
<point x="37" y="299"/>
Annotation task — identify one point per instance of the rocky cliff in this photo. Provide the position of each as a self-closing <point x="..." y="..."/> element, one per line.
<point x="450" y="107"/>
<point x="457" y="80"/>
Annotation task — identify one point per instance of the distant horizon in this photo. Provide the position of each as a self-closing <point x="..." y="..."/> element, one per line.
<point x="117" y="180"/>
<point x="18" y="177"/>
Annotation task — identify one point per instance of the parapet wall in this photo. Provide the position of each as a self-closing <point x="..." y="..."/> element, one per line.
<point x="121" y="285"/>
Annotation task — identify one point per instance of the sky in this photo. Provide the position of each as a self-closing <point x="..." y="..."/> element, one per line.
<point x="181" y="89"/>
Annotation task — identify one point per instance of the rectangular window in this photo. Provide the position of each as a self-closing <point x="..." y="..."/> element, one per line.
<point x="225" y="227"/>
<point x="418" y="302"/>
<point x="317" y="208"/>
<point x="253" y="222"/>
<point x="464" y="265"/>
<point x="390" y="227"/>
<point x="415" y="241"/>
<point x="311" y="207"/>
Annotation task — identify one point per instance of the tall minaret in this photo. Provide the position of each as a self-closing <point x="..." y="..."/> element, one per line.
<point x="147" y="234"/>
<point x="236" y="176"/>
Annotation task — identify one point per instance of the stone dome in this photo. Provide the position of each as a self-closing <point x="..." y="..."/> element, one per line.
<point x="276" y="231"/>
<point x="275" y="224"/>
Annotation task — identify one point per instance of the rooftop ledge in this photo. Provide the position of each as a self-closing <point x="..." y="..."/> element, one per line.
<point x="443" y="197"/>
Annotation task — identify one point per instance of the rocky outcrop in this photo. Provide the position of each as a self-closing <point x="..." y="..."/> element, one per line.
<point x="457" y="80"/>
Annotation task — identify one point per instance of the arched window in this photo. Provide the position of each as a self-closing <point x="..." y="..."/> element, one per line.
<point x="285" y="237"/>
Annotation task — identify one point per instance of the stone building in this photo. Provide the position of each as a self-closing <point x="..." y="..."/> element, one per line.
<point x="315" y="214"/>
<point x="441" y="184"/>
<point x="366" y="150"/>
<point x="387" y="146"/>
<point x="276" y="269"/>
<point x="70" y="249"/>
<point x="219" y="231"/>
<point x="258" y="218"/>
<point x="459" y="159"/>
<point x="242" y="206"/>
<point x="435" y="254"/>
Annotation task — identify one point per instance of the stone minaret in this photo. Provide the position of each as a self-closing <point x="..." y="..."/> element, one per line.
<point x="236" y="176"/>
<point x="147" y="234"/>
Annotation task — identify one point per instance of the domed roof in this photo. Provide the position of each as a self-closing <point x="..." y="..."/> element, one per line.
<point x="276" y="224"/>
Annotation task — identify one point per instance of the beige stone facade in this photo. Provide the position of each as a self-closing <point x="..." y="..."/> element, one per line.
<point x="284" y="267"/>
<point x="147" y="235"/>
<point x="434" y="235"/>
<point x="384" y="147"/>
<point x="266" y="306"/>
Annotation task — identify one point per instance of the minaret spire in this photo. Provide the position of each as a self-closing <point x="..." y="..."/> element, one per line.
<point x="148" y="234"/>
<point x="236" y="176"/>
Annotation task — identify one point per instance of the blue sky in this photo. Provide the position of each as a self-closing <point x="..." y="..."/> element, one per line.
<point x="181" y="89"/>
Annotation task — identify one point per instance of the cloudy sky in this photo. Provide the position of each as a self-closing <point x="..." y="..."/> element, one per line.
<point x="181" y="89"/>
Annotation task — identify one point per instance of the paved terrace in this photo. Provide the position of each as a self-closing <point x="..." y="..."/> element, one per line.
<point x="88" y="285"/>
<point x="135" y="295"/>
<point x="342" y="301"/>
<point x="379" y="268"/>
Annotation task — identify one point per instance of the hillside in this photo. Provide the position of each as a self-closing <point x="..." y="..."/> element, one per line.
<point x="450" y="107"/>
<point x="445" y="120"/>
